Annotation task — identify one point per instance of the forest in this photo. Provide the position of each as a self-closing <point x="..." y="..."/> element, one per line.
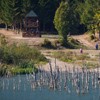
<point x="62" y="16"/>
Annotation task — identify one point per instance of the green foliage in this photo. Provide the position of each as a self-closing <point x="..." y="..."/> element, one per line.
<point x="87" y="12"/>
<point x="60" y="20"/>
<point x="18" y="70"/>
<point x="12" y="12"/>
<point x="74" y="43"/>
<point x="3" y="69"/>
<point x="70" y="56"/>
<point x="14" y="70"/>
<point x="3" y="40"/>
<point x="66" y="57"/>
<point x="25" y="64"/>
<point x="21" y="54"/>
<point x="69" y="16"/>
<point x="5" y="12"/>
<point x="90" y="65"/>
<point x="19" y="59"/>
<point x="65" y="20"/>
<point x="47" y="44"/>
<point x="92" y="37"/>
<point x="84" y="56"/>
<point x="46" y="11"/>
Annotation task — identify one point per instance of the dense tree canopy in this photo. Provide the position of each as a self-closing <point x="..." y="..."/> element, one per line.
<point x="88" y="11"/>
<point x="12" y="12"/>
<point x="60" y="20"/>
<point x="66" y="19"/>
<point x="71" y="15"/>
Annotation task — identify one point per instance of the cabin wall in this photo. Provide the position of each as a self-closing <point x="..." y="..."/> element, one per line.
<point x="31" y="27"/>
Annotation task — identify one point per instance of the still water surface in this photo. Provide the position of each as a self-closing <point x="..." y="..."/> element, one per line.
<point x="19" y="88"/>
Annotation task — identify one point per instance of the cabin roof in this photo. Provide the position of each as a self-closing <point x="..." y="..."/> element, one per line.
<point x="31" y="14"/>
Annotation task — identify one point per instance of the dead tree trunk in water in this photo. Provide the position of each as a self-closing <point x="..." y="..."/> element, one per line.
<point x="51" y="75"/>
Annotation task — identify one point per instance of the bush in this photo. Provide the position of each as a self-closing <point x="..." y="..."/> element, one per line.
<point x="47" y="44"/>
<point x="3" y="70"/>
<point x="92" y="37"/>
<point x="3" y="40"/>
<point x="74" y="43"/>
<point x="21" y="54"/>
<point x="18" y="70"/>
<point x="56" y="43"/>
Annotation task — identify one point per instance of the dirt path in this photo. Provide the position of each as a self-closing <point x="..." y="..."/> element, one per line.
<point x="60" y="64"/>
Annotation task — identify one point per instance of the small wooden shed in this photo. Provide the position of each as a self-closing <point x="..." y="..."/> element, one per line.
<point x="31" y="25"/>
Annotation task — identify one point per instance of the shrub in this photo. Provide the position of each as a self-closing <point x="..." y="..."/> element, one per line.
<point x="74" y="43"/>
<point x="21" y="54"/>
<point x="92" y="37"/>
<point x="3" y="40"/>
<point x="56" y="43"/>
<point x="3" y="69"/>
<point x="47" y="43"/>
<point x="18" y="70"/>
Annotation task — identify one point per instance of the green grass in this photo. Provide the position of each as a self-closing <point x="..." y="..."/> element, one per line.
<point x="76" y="58"/>
<point x="66" y="57"/>
<point x="18" y="70"/>
<point x="19" y="58"/>
<point x="14" y="70"/>
<point x="20" y="54"/>
<point x="47" y="44"/>
<point x="74" y="44"/>
<point x="90" y="65"/>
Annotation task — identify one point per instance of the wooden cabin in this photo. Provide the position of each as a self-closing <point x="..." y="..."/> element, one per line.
<point x="31" y="25"/>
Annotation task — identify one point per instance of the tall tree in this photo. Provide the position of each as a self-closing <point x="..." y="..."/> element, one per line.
<point x="87" y="11"/>
<point x="13" y="12"/>
<point x="46" y="12"/>
<point x="0" y="11"/>
<point x="65" y="20"/>
<point x="6" y="12"/>
<point x="20" y="8"/>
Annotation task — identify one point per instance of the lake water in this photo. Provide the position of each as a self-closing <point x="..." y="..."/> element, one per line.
<point x="21" y="87"/>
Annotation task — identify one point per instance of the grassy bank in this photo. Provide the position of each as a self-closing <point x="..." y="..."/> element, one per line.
<point x="77" y="58"/>
<point x="18" y="58"/>
<point x="14" y="70"/>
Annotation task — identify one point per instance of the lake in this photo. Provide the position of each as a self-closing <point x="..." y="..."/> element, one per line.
<point x="28" y="87"/>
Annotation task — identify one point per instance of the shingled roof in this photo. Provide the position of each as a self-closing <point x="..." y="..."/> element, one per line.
<point x="31" y="14"/>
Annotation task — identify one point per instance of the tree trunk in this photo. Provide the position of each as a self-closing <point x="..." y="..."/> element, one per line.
<point x="20" y="26"/>
<point x="99" y="34"/>
<point x="6" y="26"/>
<point x="13" y="28"/>
<point x="43" y="26"/>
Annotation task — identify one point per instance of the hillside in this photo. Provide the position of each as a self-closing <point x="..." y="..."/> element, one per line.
<point x="85" y="40"/>
<point x="12" y="37"/>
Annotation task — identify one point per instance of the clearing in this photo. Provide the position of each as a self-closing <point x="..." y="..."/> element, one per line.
<point x="12" y="37"/>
